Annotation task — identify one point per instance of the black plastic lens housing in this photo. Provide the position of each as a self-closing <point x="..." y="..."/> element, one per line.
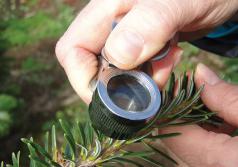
<point x="123" y="102"/>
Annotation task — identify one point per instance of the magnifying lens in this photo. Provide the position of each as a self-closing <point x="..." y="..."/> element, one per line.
<point x="123" y="101"/>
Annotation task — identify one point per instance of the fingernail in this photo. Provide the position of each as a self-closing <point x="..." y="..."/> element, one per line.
<point x="126" y="47"/>
<point x="207" y="75"/>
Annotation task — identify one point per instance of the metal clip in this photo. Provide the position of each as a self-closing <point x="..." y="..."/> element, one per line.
<point x="103" y="64"/>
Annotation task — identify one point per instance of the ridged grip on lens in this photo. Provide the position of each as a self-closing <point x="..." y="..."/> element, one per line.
<point x="110" y="124"/>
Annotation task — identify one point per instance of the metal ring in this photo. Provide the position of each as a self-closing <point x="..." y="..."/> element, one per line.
<point x="163" y="52"/>
<point x="113" y="120"/>
<point x="144" y="79"/>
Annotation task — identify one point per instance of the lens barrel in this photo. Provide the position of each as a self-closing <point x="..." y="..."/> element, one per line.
<point x="123" y="102"/>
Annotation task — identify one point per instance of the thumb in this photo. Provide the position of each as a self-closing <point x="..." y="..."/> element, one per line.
<point x="219" y="96"/>
<point x="142" y="33"/>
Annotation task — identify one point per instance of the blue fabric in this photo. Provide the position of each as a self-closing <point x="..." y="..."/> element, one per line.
<point x="224" y="30"/>
<point x="222" y="41"/>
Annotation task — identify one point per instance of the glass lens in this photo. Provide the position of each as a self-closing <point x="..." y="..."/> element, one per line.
<point x="128" y="93"/>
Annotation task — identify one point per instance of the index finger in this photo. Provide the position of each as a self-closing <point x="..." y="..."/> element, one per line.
<point x="91" y="27"/>
<point x="85" y="37"/>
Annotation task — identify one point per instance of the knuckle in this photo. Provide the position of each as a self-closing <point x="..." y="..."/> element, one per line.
<point x="111" y="6"/>
<point x="59" y="51"/>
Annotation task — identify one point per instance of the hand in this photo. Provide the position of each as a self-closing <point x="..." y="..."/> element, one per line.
<point x="210" y="147"/>
<point x="144" y="28"/>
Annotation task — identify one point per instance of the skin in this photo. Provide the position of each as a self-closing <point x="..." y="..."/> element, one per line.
<point x="209" y="146"/>
<point x="144" y="28"/>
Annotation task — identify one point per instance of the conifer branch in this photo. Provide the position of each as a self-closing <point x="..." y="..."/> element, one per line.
<point x="85" y="147"/>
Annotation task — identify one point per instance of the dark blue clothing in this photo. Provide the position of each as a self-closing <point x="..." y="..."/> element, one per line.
<point x="222" y="41"/>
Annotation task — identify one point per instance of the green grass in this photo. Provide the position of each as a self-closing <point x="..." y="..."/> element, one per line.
<point x="31" y="29"/>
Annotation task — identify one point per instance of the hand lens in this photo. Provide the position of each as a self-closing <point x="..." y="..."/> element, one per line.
<point x="123" y="101"/>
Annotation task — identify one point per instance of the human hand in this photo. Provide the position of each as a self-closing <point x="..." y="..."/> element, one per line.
<point x="144" y="28"/>
<point x="210" y="146"/>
